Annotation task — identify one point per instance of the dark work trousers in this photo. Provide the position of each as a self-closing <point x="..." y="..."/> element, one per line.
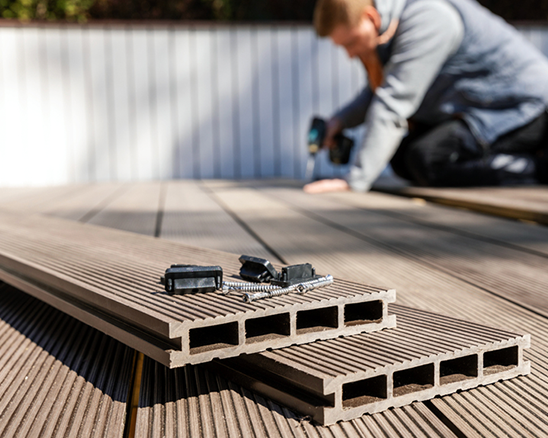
<point x="447" y="155"/>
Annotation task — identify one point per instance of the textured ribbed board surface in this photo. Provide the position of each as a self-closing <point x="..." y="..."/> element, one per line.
<point x="427" y="355"/>
<point x="191" y="402"/>
<point x="109" y="279"/>
<point x="206" y="224"/>
<point x="529" y="203"/>
<point x="58" y="377"/>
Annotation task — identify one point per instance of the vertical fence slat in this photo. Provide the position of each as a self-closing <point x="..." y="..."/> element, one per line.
<point x="162" y="94"/>
<point x="183" y="142"/>
<point x="120" y="102"/>
<point x="264" y="78"/>
<point x="287" y="68"/>
<point x="143" y="127"/>
<point x="225" y="150"/>
<point x="307" y="85"/>
<point x="13" y="117"/>
<point x="247" y="123"/>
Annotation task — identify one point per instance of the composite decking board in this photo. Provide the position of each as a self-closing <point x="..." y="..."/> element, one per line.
<point x="177" y="204"/>
<point x="115" y="275"/>
<point x="516" y="275"/>
<point x="135" y="210"/>
<point x="192" y="402"/>
<point x="58" y="376"/>
<point x="324" y="368"/>
<point x="8" y="194"/>
<point x="190" y="216"/>
<point x="528" y="203"/>
<point x="38" y="198"/>
<point x="85" y="202"/>
<point x="527" y="237"/>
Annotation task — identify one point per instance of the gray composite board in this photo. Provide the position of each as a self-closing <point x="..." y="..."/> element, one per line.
<point x="427" y="355"/>
<point x="58" y="377"/>
<point x="110" y="279"/>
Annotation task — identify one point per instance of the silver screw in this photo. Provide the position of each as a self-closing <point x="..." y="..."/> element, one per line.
<point x="299" y="288"/>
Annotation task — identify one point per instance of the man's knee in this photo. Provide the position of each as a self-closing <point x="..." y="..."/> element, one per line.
<point x="428" y="157"/>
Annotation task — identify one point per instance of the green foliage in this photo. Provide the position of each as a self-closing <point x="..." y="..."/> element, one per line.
<point x="223" y="10"/>
<point x="25" y="10"/>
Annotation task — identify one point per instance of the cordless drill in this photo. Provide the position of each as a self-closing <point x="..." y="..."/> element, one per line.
<point x="338" y="155"/>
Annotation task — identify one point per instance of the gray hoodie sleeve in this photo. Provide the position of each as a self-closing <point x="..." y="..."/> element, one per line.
<point x="429" y="32"/>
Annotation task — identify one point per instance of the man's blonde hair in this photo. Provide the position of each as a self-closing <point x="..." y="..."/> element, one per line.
<point x="328" y="14"/>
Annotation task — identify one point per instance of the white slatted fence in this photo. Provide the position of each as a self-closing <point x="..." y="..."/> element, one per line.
<point x="142" y="102"/>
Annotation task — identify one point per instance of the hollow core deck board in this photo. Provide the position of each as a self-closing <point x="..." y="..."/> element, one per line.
<point x="58" y="377"/>
<point x="417" y="285"/>
<point x="191" y="402"/>
<point x="110" y="279"/>
<point x="414" y="419"/>
<point x="527" y="203"/>
<point x="343" y="378"/>
<point x="516" y="275"/>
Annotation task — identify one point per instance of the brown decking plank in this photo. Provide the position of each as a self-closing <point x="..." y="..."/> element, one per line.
<point x="527" y="203"/>
<point x="513" y="274"/>
<point x="201" y="402"/>
<point x="85" y="202"/>
<point x="109" y="279"/>
<point x="528" y="237"/>
<point x="169" y="415"/>
<point x="38" y="198"/>
<point x="323" y="369"/>
<point x="59" y="377"/>
<point x="190" y="216"/>
<point x="136" y="210"/>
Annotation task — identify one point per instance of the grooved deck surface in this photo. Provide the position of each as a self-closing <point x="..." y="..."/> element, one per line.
<point x="112" y="279"/>
<point x="437" y="354"/>
<point x="58" y="377"/>
<point x="526" y="203"/>
<point x="191" y="402"/>
<point x="343" y="239"/>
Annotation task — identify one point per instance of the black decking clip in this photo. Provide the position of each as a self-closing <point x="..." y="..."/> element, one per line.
<point x="186" y="279"/>
<point x="259" y="270"/>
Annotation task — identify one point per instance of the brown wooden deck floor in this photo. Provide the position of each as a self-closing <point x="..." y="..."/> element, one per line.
<point x="455" y="262"/>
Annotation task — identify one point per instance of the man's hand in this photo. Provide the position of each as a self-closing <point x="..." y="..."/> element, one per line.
<point x="334" y="127"/>
<point x="327" y="186"/>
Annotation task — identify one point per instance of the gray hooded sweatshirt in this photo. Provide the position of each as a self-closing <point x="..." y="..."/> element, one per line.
<point x="448" y="59"/>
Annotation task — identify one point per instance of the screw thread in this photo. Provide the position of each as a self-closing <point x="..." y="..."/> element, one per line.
<point x="299" y="287"/>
